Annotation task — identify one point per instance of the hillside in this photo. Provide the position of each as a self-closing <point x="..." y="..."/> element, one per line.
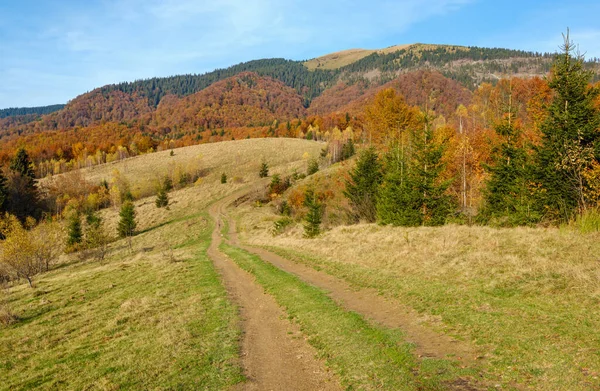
<point x="243" y="100"/>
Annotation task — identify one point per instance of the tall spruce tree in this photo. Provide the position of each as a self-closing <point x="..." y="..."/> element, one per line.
<point x="362" y="188"/>
<point x="426" y="169"/>
<point x="23" y="197"/>
<point x="22" y="165"/>
<point x="506" y="197"/>
<point x="398" y="201"/>
<point x="312" y="221"/>
<point x="127" y="222"/>
<point x="571" y="141"/>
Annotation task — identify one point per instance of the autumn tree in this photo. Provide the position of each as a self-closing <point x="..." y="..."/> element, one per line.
<point x="571" y="141"/>
<point x="362" y="188"/>
<point x="28" y="251"/>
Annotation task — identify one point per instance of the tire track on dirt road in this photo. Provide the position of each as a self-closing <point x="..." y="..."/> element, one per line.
<point x="275" y="354"/>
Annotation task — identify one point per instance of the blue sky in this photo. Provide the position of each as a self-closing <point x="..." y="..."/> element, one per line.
<point x="51" y="51"/>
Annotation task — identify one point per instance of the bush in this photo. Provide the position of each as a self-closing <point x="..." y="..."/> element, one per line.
<point x="280" y="225"/>
<point x="223" y="178"/>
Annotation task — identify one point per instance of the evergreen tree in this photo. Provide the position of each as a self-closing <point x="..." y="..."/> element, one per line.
<point x="312" y="221"/>
<point x="348" y="150"/>
<point x="363" y="186"/>
<point x="22" y="165"/>
<point x="223" y="178"/>
<point x="75" y="235"/>
<point x="506" y="198"/>
<point x="264" y="170"/>
<point x="162" y="198"/>
<point x="426" y="169"/>
<point x="571" y="141"/>
<point x="3" y="193"/>
<point x="127" y="223"/>
<point x="398" y="201"/>
<point x="413" y="192"/>
<point x="313" y="167"/>
<point x="22" y="192"/>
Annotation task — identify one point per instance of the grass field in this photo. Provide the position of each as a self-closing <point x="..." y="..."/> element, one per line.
<point x="528" y="297"/>
<point x="132" y="322"/>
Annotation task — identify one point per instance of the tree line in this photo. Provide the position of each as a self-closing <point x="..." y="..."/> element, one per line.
<point x="552" y="179"/>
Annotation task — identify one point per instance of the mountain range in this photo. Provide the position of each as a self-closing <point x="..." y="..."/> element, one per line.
<point x="262" y="93"/>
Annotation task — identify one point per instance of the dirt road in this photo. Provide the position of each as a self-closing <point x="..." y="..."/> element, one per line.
<point x="275" y="354"/>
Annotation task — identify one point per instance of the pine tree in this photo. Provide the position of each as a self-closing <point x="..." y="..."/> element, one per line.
<point x="127" y="223"/>
<point x="425" y="177"/>
<point x="75" y="235"/>
<point x="312" y="225"/>
<point x="313" y="167"/>
<point x="22" y="165"/>
<point x="23" y="193"/>
<point x="362" y="188"/>
<point x="264" y="170"/>
<point x="397" y="202"/>
<point x="348" y="150"/>
<point x="506" y="198"/>
<point x="3" y="193"/>
<point x="570" y="142"/>
<point x="162" y="198"/>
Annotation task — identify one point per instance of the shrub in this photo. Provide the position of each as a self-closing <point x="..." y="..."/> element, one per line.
<point x="223" y="178"/>
<point x="280" y="225"/>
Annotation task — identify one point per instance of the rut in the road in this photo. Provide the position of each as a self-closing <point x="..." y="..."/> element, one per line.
<point x="275" y="355"/>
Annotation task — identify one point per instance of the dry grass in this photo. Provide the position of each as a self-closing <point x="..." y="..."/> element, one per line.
<point x="338" y="59"/>
<point x="238" y="159"/>
<point x="528" y="296"/>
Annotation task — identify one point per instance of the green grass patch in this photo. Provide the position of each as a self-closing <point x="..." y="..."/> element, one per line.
<point x="364" y="356"/>
<point x="135" y="322"/>
<point x="545" y="339"/>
